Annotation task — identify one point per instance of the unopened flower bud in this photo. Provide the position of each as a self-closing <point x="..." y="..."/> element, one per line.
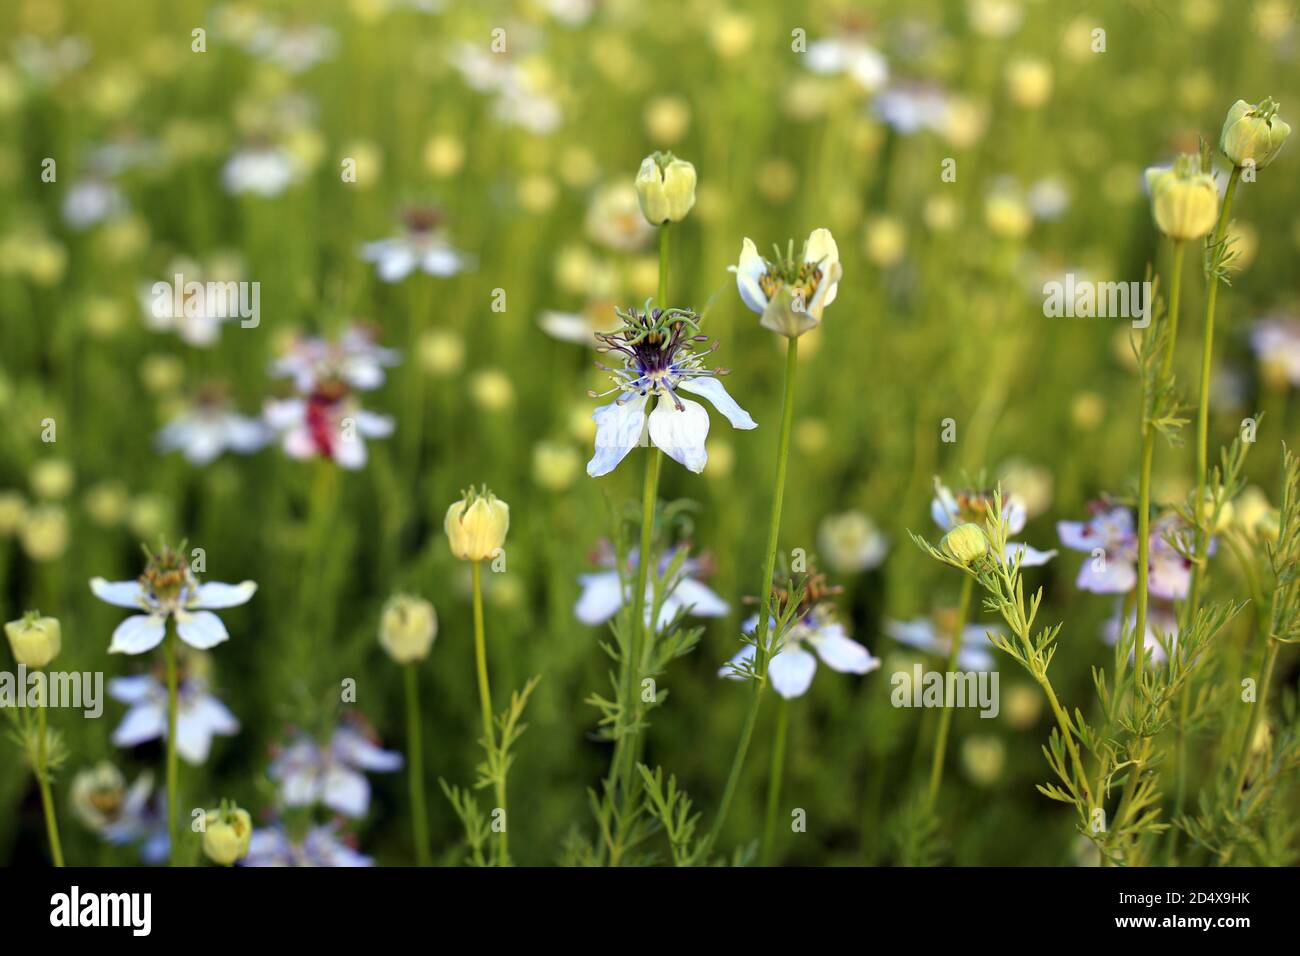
<point x="227" y="834"/>
<point x="1184" y="201"/>
<point x="1253" y="134"/>
<point x="965" y="543"/>
<point x="35" y="640"/>
<point x="476" y="525"/>
<point x="407" y="628"/>
<point x="665" y="186"/>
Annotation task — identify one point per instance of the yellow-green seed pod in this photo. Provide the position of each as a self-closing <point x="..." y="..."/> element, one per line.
<point x="407" y="628"/>
<point x="35" y="640"/>
<point x="476" y="525"/>
<point x="1253" y="135"/>
<point x="665" y="186"/>
<point x="1184" y="201"/>
<point x="965" y="543"/>
<point x="227" y="835"/>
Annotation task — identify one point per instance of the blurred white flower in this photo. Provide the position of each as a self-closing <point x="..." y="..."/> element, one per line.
<point x="199" y="715"/>
<point x="328" y="424"/>
<point x="849" y="54"/>
<point x="792" y="668"/>
<point x="421" y="247"/>
<point x="604" y="593"/>
<point x="309" y="773"/>
<point x="260" y="169"/>
<point x="209" y="427"/>
<point x="850" y="542"/>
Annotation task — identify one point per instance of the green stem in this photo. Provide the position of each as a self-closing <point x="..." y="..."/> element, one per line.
<point x="1270" y="658"/>
<point x="774" y="776"/>
<point x="415" y="746"/>
<point x="43" y="779"/>
<point x="945" y="715"/>
<point x="663" y="266"/>
<point x="485" y="699"/>
<point x="173" y="796"/>
<point x="769" y="568"/>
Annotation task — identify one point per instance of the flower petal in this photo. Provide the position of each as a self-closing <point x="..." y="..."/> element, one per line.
<point x="120" y="593"/>
<point x="346" y="791"/>
<point x="143" y="723"/>
<point x="137" y="634"/>
<point x="618" y="430"/>
<point x="602" y="596"/>
<point x="201" y="629"/>
<point x="680" y="432"/>
<point x="136" y="689"/>
<point x="842" y="653"/>
<point x="215" y="595"/>
<point x="713" y="389"/>
<point x="701" y="601"/>
<point x="791" y="672"/>
<point x="748" y="271"/>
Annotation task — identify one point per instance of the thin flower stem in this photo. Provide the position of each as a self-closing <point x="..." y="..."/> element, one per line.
<point x="769" y="568"/>
<point x="945" y="716"/>
<point x="775" y="774"/>
<point x="1068" y="733"/>
<point x="1270" y="658"/>
<point x="43" y="778"/>
<point x="485" y="697"/>
<point x="1144" y="482"/>
<point x="663" y="266"/>
<point x="173" y="797"/>
<point x="415" y="746"/>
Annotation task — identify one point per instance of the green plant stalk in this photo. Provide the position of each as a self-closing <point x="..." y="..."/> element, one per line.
<point x="663" y="266"/>
<point x="1202" y="473"/>
<point x="945" y="715"/>
<point x="485" y="700"/>
<point x="1270" y="658"/>
<point x="1144" y="485"/>
<point x="775" y="774"/>
<point x="414" y="743"/>
<point x="43" y="779"/>
<point x="173" y="770"/>
<point x="764" y="617"/>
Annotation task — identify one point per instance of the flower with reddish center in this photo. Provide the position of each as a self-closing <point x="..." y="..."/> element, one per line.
<point x="328" y="423"/>
<point x="422" y="246"/>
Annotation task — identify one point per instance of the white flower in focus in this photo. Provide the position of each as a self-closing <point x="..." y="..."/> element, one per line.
<point x="199" y="715"/>
<point x="309" y="773"/>
<point x="169" y="589"/>
<point x="790" y="294"/>
<point x="659" y="361"/>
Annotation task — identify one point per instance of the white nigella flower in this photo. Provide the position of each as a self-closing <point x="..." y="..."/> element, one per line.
<point x="911" y="107"/>
<point x="934" y="636"/>
<point x="605" y="592"/>
<point x="1276" y="341"/>
<point x="790" y="294"/>
<point x="422" y="246"/>
<point x="209" y="427"/>
<point x="1112" y="532"/>
<point x="851" y="543"/>
<point x="309" y="773"/>
<point x="90" y="201"/>
<point x="108" y="808"/>
<point x="261" y="169"/>
<point x="296" y="48"/>
<point x="321" y="846"/>
<point x="329" y="423"/>
<point x="850" y="54"/>
<point x="356" y="359"/>
<point x="614" y="218"/>
<point x="199" y="715"/>
<point x="1162" y="629"/>
<point x="792" y="668"/>
<point x="659" y="361"/>
<point x="168" y="588"/>
<point x="949" y="510"/>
